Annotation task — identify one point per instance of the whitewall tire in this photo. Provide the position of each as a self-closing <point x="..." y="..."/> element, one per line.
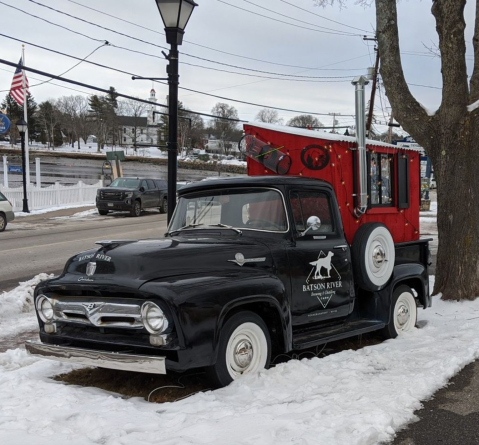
<point x="373" y="256"/>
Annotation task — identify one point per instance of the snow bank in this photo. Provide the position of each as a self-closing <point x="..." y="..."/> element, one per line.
<point x="353" y="397"/>
<point x="20" y="299"/>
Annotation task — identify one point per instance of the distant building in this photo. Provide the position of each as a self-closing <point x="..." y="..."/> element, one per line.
<point x="141" y="130"/>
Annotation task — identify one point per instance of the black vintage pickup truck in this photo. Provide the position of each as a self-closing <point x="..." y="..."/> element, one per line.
<point x="133" y="195"/>
<point x="249" y="268"/>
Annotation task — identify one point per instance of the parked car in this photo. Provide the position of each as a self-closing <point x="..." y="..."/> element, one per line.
<point x="6" y="212"/>
<point x="250" y="268"/>
<point x="133" y="195"/>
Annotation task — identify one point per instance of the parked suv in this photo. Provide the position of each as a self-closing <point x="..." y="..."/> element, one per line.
<point x="6" y="212"/>
<point x="133" y="195"/>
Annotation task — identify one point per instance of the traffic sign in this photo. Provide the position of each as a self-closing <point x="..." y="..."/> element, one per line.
<point x="4" y="123"/>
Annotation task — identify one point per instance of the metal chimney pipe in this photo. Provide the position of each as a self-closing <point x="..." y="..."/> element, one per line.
<point x="362" y="186"/>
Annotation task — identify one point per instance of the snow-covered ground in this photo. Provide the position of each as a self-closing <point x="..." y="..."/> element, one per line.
<point x="350" y="398"/>
<point x="353" y="397"/>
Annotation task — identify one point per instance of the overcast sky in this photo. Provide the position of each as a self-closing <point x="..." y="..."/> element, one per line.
<point x="234" y="36"/>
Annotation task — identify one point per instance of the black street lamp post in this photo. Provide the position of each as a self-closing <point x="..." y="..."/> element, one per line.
<point x="175" y="15"/>
<point x="22" y="128"/>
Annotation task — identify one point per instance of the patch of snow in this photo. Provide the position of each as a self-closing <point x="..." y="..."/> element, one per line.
<point x="473" y="106"/>
<point x="426" y="219"/>
<point x="20" y="299"/>
<point x="52" y="209"/>
<point x="427" y="110"/>
<point x="353" y="397"/>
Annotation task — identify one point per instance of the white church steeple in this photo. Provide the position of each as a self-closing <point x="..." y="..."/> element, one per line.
<point x="151" y="116"/>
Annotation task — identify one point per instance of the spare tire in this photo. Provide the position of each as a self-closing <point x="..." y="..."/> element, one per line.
<point x="373" y="256"/>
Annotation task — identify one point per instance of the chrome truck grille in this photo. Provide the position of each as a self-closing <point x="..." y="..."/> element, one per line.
<point x="98" y="313"/>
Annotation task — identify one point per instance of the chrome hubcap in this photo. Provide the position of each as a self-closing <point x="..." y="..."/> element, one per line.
<point x="379" y="256"/>
<point x="402" y="315"/>
<point x="243" y="353"/>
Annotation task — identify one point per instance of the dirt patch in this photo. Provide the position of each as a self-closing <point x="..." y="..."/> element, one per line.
<point x="173" y="387"/>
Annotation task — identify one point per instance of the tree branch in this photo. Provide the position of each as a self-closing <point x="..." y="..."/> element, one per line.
<point x="450" y="26"/>
<point x="407" y="110"/>
<point x="475" y="73"/>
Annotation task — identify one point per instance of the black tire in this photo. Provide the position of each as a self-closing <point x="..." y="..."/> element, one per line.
<point x="136" y="209"/>
<point x="164" y="206"/>
<point x="373" y="256"/>
<point x="102" y="212"/>
<point x="402" y="314"/>
<point x="3" y="222"/>
<point x="247" y="334"/>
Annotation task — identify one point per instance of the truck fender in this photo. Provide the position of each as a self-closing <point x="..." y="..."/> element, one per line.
<point x="413" y="275"/>
<point x="248" y="303"/>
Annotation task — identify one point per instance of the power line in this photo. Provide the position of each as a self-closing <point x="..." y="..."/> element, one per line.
<point x="69" y="69"/>
<point x="51" y="23"/>
<point x="321" y="16"/>
<point x="51" y="83"/>
<point x="286" y="23"/>
<point x="215" y="49"/>
<point x="43" y="73"/>
<point x="159" y="46"/>
<point x="301" y="21"/>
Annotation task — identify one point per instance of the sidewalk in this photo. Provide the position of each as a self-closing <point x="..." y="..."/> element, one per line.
<point x="451" y="417"/>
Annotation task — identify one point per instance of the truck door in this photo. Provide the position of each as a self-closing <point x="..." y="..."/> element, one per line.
<point x="151" y="194"/>
<point x="320" y="261"/>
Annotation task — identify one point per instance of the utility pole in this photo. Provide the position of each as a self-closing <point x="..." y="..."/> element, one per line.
<point x="373" y="89"/>
<point x="334" y="121"/>
<point x="390" y="130"/>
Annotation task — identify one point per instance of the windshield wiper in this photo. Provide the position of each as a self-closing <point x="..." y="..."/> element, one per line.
<point x="227" y="227"/>
<point x="188" y="226"/>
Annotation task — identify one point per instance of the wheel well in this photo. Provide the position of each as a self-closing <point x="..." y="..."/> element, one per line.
<point x="270" y="315"/>
<point x="416" y="285"/>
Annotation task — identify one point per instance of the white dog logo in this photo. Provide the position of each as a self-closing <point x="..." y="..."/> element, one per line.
<point x="321" y="263"/>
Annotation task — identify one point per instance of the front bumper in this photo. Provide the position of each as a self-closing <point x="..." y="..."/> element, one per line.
<point x="101" y="359"/>
<point x="114" y="205"/>
<point x="10" y="216"/>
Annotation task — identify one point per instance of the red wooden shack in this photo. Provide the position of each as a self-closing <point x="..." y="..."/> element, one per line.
<point x="393" y="175"/>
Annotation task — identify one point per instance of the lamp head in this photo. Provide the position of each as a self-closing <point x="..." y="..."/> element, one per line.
<point x="22" y="126"/>
<point x="175" y="15"/>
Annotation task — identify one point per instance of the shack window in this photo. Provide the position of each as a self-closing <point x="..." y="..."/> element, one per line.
<point x="381" y="191"/>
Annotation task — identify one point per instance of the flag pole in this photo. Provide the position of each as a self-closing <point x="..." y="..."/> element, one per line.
<point x="25" y="106"/>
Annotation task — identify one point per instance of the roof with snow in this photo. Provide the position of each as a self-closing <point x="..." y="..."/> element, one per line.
<point x="322" y="135"/>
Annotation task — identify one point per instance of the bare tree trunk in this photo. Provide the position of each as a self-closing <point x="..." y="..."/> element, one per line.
<point x="449" y="137"/>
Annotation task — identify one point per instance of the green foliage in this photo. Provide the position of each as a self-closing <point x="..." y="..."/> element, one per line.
<point x="43" y="137"/>
<point x="57" y="137"/>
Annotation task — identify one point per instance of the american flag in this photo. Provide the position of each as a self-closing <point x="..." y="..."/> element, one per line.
<point x="16" y="90"/>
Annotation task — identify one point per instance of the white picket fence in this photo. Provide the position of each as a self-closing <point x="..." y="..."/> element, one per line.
<point x="55" y="195"/>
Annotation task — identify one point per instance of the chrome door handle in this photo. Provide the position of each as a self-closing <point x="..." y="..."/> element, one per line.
<point x="341" y="246"/>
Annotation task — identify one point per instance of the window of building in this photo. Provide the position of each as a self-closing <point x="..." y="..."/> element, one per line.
<point x="381" y="191"/>
<point x="124" y="129"/>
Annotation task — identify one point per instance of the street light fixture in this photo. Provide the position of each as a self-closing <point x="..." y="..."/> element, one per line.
<point x="175" y="15"/>
<point x="22" y="127"/>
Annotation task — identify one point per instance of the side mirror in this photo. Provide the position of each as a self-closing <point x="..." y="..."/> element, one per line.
<point x="313" y="223"/>
<point x="142" y="189"/>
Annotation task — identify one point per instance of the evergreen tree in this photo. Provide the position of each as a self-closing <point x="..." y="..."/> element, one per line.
<point x="15" y="112"/>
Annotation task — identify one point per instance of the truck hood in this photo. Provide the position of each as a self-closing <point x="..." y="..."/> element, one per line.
<point x="133" y="263"/>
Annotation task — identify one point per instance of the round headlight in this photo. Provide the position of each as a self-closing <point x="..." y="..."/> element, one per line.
<point x="153" y="318"/>
<point x="45" y="309"/>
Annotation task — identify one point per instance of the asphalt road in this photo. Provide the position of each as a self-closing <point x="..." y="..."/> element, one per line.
<point x="42" y="243"/>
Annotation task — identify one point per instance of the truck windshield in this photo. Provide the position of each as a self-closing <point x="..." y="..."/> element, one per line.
<point x="128" y="183"/>
<point x="254" y="209"/>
